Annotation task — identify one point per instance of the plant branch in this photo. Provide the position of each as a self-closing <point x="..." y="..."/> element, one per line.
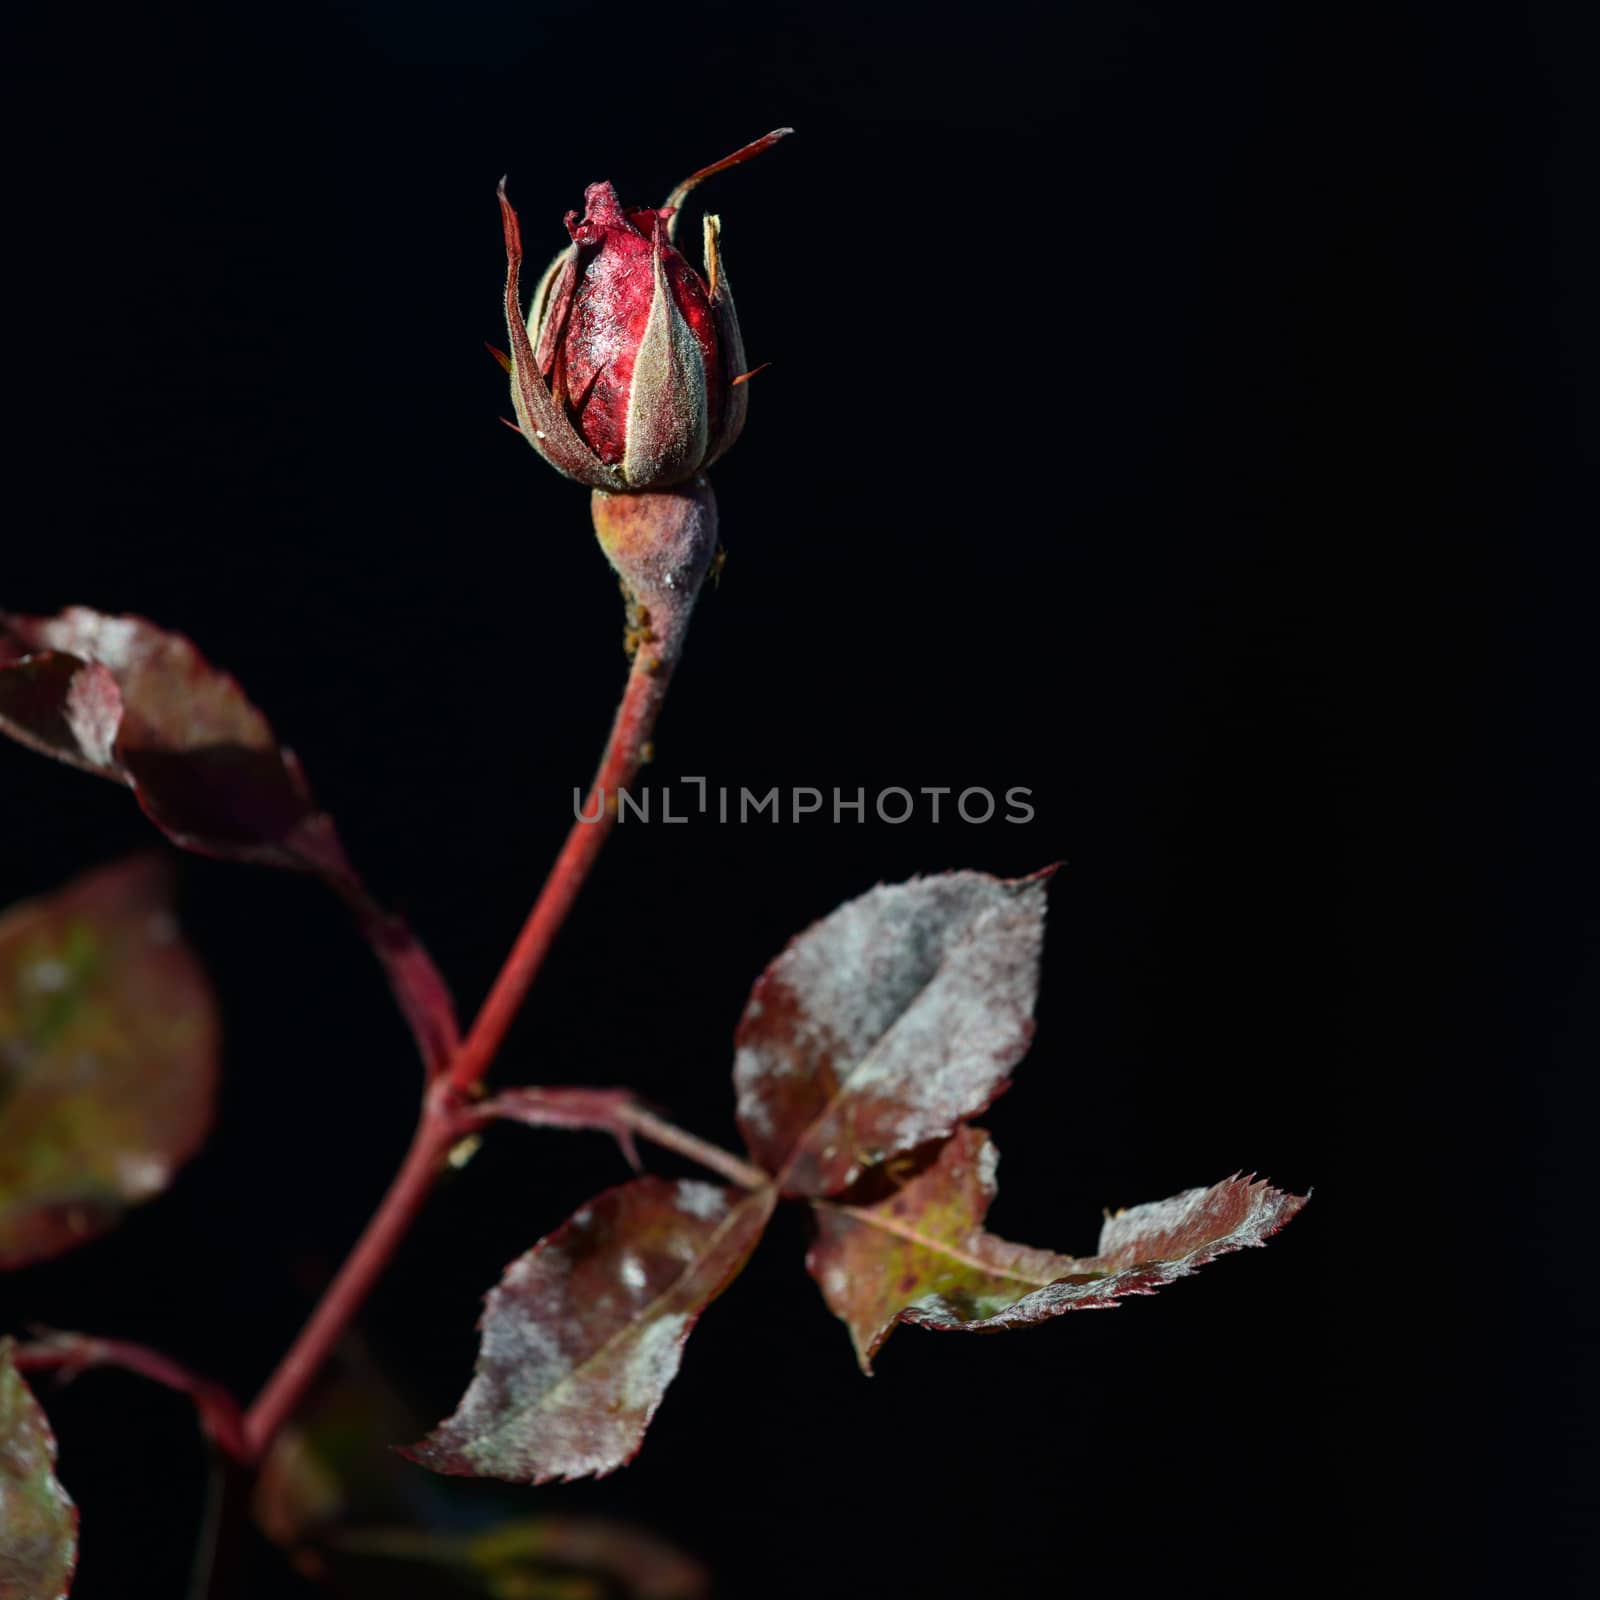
<point x="661" y="546"/>
<point x="711" y="1156"/>
<point x="68" y="1354"/>
<point x="625" y="754"/>
<point x="352" y="1284"/>
<point x="613" y="1111"/>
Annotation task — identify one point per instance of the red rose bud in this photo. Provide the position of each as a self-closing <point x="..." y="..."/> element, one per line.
<point x="627" y="371"/>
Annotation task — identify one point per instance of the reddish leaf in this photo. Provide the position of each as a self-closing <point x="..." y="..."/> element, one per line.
<point x="38" y="1523"/>
<point x="585" y="1332"/>
<point x="108" y="1057"/>
<point x="921" y="1255"/>
<point x="123" y="698"/>
<point x="884" y="1025"/>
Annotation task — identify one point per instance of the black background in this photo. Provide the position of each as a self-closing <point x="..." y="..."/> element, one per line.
<point x="1182" y="411"/>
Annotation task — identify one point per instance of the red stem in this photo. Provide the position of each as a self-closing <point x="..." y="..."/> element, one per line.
<point x="439" y="1125"/>
<point x="711" y="1156"/>
<point x="362" y="1267"/>
<point x="612" y="1111"/>
<point x="660" y="544"/>
<point x="625" y="754"/>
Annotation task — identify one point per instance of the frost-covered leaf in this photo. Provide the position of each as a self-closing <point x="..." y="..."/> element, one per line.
<point x="584" y="1333"/>
<point x="884" y="1025"/>
<point x="108" y="1056"/>
<point x="121" y="697"/>
<point x="38" y="1522"/>
<point x="921" y="1255"/>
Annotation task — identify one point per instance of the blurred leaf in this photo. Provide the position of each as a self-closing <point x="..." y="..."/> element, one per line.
<point x="120" y="697"/>
<point x="108" y="1057"/>
<point x="38" y="1522"/>
<point x="884" y="1025"/>
<point x="635" y="1563"/>
<point x="585" y="1332"/>
<point x="335" y="1465"/>
<point x="921" y="1254"/>
<point x="535" y="1558"/>
<point x="361" y="1520"/>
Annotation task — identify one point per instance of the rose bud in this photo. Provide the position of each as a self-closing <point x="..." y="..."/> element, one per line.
<point x="628" y="370"/>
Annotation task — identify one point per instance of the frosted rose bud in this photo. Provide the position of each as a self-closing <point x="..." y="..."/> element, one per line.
<point x="627" y="370"/>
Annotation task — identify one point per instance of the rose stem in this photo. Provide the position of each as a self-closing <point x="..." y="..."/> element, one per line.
<point x="438" y="1128"/>
<point x="711" y="1156"/>
<point x="661" y="545"/>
